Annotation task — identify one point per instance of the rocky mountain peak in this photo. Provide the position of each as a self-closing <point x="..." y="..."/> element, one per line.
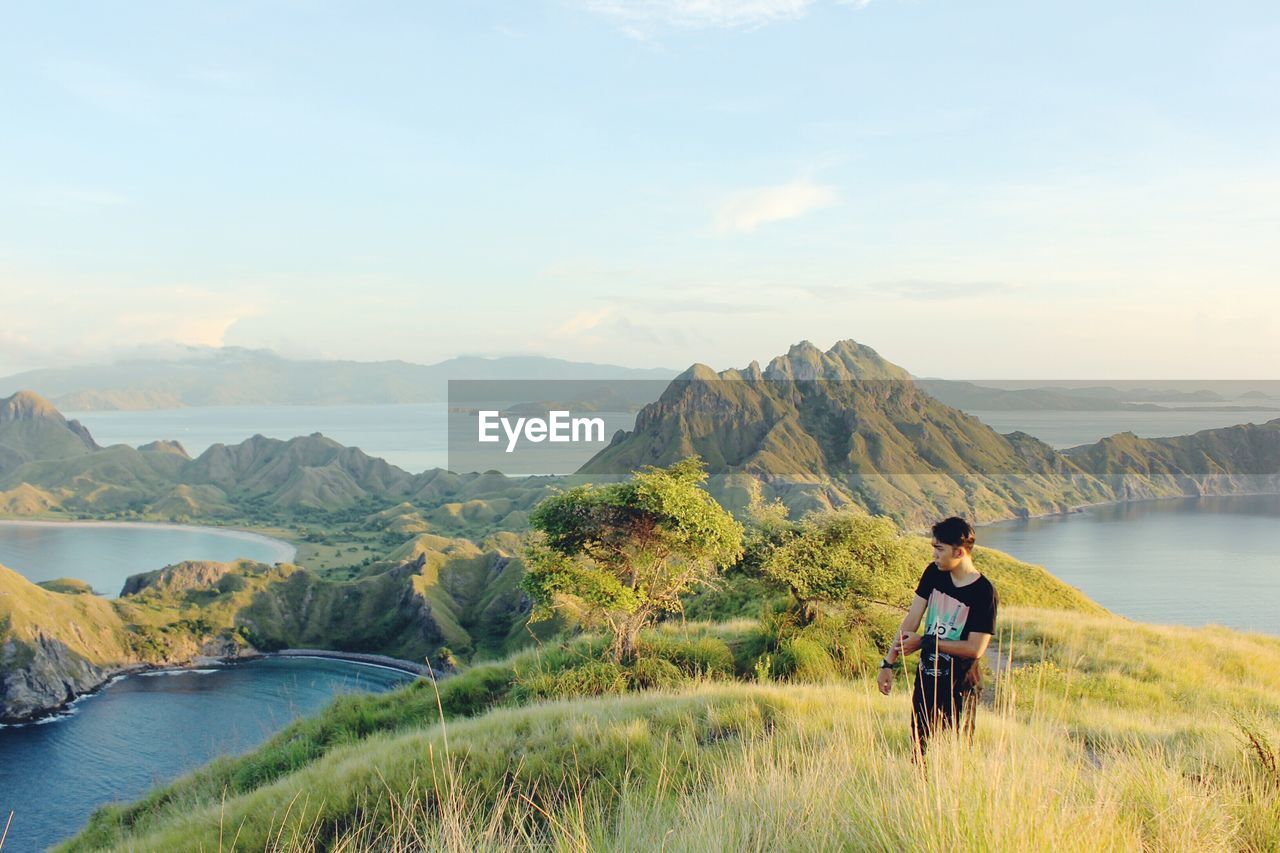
<point x="28" y="406"/>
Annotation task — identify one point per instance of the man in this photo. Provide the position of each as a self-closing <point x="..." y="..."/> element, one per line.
<point x="958" y="605"/>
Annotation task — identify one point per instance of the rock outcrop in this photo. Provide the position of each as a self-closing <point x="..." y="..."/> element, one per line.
<point x="39" y="677"/>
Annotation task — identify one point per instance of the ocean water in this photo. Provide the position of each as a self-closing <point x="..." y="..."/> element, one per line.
<point x="1186" y="561"/>
<point x="105" y="553"/>
<point x="412" y="436"/>
<point x="415" y="436"/>
<point x="1069" y="429"/>
<point x="145" y="730"/>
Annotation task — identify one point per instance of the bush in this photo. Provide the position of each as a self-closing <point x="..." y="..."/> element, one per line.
<point x="595" y="678"/>
<point x="650" y="673"/>
<point x="805" y="660"/>
<point x="699" y="657"/>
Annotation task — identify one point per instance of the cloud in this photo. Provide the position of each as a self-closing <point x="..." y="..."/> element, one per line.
<point x="641" y="17"/>
<point x="76" y="199"/>
<point x="74" y="324"/>
<point x="913" y="290"/>
<point x="583" y="321"/>
<point x="744" y="211"/>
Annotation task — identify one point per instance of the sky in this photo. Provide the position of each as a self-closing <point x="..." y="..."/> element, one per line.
<point x="992" y="189"/>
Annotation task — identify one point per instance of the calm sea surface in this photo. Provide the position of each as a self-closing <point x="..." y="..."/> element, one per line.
<point x="414" y="436"/>
<point x="144" y="730"/>
<point x="1069" y="429"/>
<point x="1194" y="561"/>
<point x="105" y="553"/>
<point x="411" y="436"/>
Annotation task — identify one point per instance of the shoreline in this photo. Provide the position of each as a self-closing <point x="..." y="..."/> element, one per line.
<point x="66" y="709"/>
<point x="280" y="545"/>
<point x="367" y="659"/>
<point x="1079" y="508"/>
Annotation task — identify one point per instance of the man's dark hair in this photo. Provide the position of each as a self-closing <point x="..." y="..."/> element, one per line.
<point x="954" y="531"/>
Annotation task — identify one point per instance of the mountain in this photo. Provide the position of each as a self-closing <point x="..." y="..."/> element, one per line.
<point x="58" y="469"/>
<point x="31" y="428"/>
<point x="1231" y="460"/>
<point x="815" y="429"/>
<point x="822" y="429"/>
<point x="973" y="397"/>
<point x="233" y="376"/>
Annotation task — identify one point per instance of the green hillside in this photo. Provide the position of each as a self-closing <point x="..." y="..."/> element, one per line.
<point x="821" y="430"/>
<point x="1090" y="737"/>
<point x="435" y="593"/>
<point x="1236" y="459"/>
<point x="31" y="428"/>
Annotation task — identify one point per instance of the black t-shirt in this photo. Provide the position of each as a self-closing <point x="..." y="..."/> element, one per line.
<point x="952" y="613"/>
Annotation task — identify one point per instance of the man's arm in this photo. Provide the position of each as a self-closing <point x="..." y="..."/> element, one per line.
<point x="910" y="623"/>
<point x="912" y="620"/>
<point x="973" y="647"/>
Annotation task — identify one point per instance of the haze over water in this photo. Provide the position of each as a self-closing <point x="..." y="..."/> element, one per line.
<point x="414" y="436"/>
<point x="1186" y="561"/>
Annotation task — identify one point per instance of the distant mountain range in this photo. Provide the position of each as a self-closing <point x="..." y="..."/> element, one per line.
<point x="825" y="429"/>
<point x="816" y="429"/>
<point x="49" y="465"/>
<point x="232" y="376"/>
<point x="977" y="397"/>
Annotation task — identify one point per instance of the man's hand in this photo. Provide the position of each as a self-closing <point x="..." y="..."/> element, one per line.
<point x="885" y="680"/>
<point x="907" y="642"/>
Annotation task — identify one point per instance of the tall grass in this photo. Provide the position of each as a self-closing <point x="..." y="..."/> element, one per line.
<point x="835" y="773"/>
<point x="1097" y="733"/>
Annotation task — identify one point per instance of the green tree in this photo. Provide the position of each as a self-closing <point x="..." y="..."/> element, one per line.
<point x="617" y="556"/>
<point x="836" y="557"/>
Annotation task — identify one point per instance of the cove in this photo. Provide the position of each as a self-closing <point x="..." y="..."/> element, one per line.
<point x="144" y="730"/>
<point x="104" y="553"/>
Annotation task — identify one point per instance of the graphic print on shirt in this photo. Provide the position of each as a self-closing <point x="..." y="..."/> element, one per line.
<point x="945" y="619"/>
<point x="946" y="616"/>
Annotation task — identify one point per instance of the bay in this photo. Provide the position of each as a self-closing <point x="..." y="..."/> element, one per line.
<point x="1185" y="561"/>
<point x="105" y="553"/>
<point x="145" y="730"/>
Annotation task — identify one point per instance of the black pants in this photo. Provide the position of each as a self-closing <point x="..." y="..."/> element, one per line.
<point x="937" y="703"/>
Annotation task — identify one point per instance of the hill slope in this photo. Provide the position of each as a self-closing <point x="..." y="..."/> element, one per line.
<point x="844" y="426"/>
<point x="1091" y="738"/>
<point x="825" y="429"/>
<point x="443" y="593"/>
<point x="31" y="428"/>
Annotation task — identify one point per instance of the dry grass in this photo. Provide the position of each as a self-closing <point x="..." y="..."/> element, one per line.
<point x="1103" y="735"/>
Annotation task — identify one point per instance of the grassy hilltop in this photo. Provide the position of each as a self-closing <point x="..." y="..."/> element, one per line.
<point x="1092" y="736"/>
